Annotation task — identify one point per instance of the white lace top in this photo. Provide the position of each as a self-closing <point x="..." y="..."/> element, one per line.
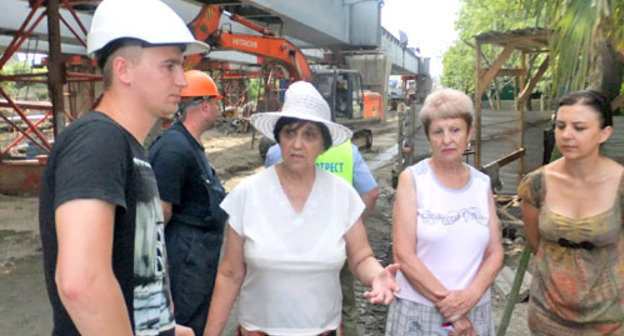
<point x="452" y="230"/>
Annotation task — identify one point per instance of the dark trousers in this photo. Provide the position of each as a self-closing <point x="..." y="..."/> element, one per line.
<point x="193" y="255"/>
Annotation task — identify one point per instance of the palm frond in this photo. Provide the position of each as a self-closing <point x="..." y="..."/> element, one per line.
<point x="577" y="25"/>
<point x="571" y="44"/>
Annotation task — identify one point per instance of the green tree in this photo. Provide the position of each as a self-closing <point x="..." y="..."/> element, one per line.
<point x="479" y="16"/>
<point x="476" y="17"/>
<point x="255" y="88"/>
<point x="12" y="88"/>
<point x="458" y="64"/>
<point x="587" y="43"/>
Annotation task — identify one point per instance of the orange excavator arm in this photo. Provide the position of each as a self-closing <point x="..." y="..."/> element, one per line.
<point x="205" y="27"/>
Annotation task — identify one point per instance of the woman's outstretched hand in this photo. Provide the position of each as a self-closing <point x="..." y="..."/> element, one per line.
<point x="384" y="286"/>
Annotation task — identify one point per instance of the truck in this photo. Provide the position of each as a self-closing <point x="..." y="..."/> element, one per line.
<point x="351" y="105"/>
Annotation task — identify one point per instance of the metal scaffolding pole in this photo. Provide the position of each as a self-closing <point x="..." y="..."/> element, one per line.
<point x="56" y="77"/>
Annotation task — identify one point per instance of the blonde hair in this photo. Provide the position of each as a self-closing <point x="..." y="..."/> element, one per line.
<point x="446" y="104"/>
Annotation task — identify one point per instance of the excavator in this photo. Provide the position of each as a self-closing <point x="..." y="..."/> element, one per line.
<point x="350" y="104"/>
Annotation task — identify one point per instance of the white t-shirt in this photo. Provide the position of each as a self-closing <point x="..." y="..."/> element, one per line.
<point x="452" y="230"/>
<point x="293" y="260"/>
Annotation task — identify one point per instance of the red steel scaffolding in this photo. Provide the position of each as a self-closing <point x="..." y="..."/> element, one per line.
<point x="66" y="75"/>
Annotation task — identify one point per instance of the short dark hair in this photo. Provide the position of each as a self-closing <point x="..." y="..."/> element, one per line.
<point x="285" y="121"/>
<point x="595" y="100"/>
<point x="189" y="102"/>
<point x="101" y="56"/>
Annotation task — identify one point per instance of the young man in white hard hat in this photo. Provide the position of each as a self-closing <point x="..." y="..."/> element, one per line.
<point x="100" y="217"/>
<point x="190" y="192"/>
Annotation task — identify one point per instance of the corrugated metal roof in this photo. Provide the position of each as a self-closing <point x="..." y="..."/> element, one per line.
<point x="529" y="39"/>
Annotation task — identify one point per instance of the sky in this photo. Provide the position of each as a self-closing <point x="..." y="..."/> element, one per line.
<point x="429" y="25"/>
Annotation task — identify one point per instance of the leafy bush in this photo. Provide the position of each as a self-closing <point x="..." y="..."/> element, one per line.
<point x="14" y="89"/>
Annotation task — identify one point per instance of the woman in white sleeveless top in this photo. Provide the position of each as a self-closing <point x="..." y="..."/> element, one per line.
<point x="291" y="228"/>
<point x="445" y="231"/>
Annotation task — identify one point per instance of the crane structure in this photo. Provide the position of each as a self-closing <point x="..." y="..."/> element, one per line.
<point x="267" y="46"/>
<point x="341" y="88"/>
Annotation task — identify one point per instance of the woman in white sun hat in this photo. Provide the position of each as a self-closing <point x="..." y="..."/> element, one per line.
<point x="290" y="230"/>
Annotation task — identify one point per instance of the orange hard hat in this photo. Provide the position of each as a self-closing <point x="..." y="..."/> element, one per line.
<point x="200" y="85"/>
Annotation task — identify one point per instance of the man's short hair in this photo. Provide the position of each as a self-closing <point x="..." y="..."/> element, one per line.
<point x="106" y="55"/>
<point x="186" y="104"/>
<point x="118" y="47"/>
<point x="189" y="103"/>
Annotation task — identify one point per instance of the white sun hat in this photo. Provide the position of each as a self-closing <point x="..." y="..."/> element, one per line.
<point x="302" y="102"/>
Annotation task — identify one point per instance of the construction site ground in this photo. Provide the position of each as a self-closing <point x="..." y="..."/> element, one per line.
<point x="24" y="307"/>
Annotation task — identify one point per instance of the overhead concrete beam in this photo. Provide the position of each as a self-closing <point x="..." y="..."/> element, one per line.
<point x="330" y="24"/>
<point x="404" y="60"/>
<point x="327" y="23"/>
<point x="242" y="58"/>
<point x="232" y="56"/>
<point x="314" y="54"/>
<point x="188" y="11"/>
<point x="323" y="21"/>
<point x="41" y="46"/>
<point x="365" y="27"/>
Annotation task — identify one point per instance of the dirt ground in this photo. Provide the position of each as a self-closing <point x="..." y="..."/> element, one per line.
<point x="24" y="307"/>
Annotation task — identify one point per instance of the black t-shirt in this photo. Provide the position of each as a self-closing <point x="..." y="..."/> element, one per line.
<point x="96" y="158"/>
<point x="187" y="180"/>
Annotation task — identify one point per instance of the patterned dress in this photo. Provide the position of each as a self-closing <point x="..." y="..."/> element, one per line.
<point x="578" y="284"/>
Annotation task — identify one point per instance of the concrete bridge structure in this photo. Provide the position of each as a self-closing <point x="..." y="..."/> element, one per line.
<point x="349" y="30"/>
<point x="314" y="26"/>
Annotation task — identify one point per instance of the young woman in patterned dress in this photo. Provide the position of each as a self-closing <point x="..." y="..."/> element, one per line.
<point x="572" y="212"/>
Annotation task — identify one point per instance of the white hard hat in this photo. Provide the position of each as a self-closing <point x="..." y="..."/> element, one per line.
<point x="151" y="21"/>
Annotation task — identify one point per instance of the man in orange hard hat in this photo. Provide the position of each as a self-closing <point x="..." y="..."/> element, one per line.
<point x="190" y="193"/>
